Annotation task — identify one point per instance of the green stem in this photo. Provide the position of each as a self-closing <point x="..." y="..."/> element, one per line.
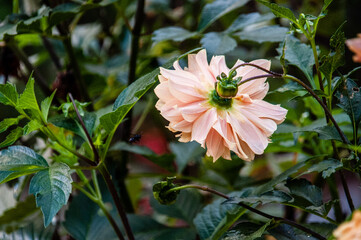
<point x="108" y="180"/>
<point x="85" y="181"/>
<point x="96" y="184"/>
<point x="15" y="6"/>
<point x="335" y="195"/>
<point x="280" y="219"/>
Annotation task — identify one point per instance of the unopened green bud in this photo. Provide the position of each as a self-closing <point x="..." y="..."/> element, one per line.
<point x="226" y="90"/>
<point x="161" y="194"/>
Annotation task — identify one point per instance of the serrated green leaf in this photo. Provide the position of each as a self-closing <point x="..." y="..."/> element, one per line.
<point x="308" y="194"/>
<point x="350" y="101"/>
<point x="299" y="55"/>
<point x="27" y="99"/>
<point x="8" y="94"/>
<point x="215" y="10"/>
<point x="51" y="188"/>
<point x="263" y="34"/>
<point x="176" y="34"/>
<point x="45" y="106"/>
<point x="216" y="218"/>
<point x="18" y="161"/>
<point x="31" y="126"/>
<point x="238" y="234"/>
<point x="245" y="20"/>
<point x="8" y="122"/>
<point x="218" y="43"/>
<point x="129" y="96"/>
<point x="274" y="196"/>
<point x="335" y="58"/>
<point x="279" y="11"/>
<point x="12" y="137"/>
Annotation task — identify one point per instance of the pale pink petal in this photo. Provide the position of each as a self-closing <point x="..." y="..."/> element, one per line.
<point x="248" y="132"/>
<point x="225" y="131"/>
<point x="192" y="111"/>
<point x="354" y="45"/>
<point x="162" y="90"/>
<point x="215" y="147"/>
<point x="182" y="126"/>
<point x="201" y="59"/>
<point x="218" y="65"/>
<point x="256" y="89"/>
<point x="264" y="109"/>
<point x="203" y="124"/>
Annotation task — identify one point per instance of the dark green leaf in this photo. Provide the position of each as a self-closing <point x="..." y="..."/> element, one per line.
<point x="215" y="10"/>
<point x="27" y="99"/>
<point x="176" y="34"/>
<point x="263" y="34"/>
<point x="245" y="20"/>
<point x="299" y="55"/>
<point x="274" y="196"/>
<point x="218" y="43"/>
<point x="308" y="194"/>
<point x="8" y="122"/>
<point x="45" y="106"/>
<point x="237" y="234"/>
<point x="185" y="152"/>
<point x="216" y="218"/>
<point x="335" y="58"/>
<point x="279" y="11"/>
<point x="51" y="188"/>
<point x="17" y="161"/>
<point x="186" y="207"/>
<point x="350" y="101"/>
<point x="8" y="94"/>
<point x="12" y="137"/>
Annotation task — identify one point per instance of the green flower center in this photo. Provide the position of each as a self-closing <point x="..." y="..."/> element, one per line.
<point x="218" y="101"/>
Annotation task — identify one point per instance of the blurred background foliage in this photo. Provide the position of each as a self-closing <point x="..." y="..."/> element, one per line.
<point x="84" y="47"/>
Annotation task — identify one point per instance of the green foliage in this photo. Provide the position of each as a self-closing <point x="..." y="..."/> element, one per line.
<point x="298" y="54"/>
<point x="349" y="100"/>
<point x="335" y="58"/>
<point x="279" y="11"/>
<point x="18" y="161"/>
<point x="263" y="34"/>
<point x="8" y="95"/>
<point x="215" y="10"/>
<point x="51" y="187"/>
<point x="185" y="153"/>
<point x="160" y="191"/>
<point x="176" y="34"/>
<point x="218" y="43"/>
<point x="234" y="234"/>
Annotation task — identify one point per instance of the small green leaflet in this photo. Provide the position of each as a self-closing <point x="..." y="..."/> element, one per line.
<point x="8" y="94"/>
<point x="27" y="99"/>
<point x="279" y="11"/>
<point x="8" y="122"/>
<point x="17" y="161"/>
<point x="12" y="137"/>
<point x="176" y="34"/>
<point x="45" y="106"/>
<point x="51" y="187"/>
<point x="218" y="43"/>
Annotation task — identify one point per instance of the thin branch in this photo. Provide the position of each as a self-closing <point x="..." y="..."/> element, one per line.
<point x="108" y="180"/>
<point x="347" y="192"/>
<point x="281" y="219"/>
<point x="256" y="66"/>
<point x="52" y="53"/>
<point x="257" y="77"/>
<point x="95" y="152"/>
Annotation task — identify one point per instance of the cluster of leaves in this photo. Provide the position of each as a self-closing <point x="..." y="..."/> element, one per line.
<point x="94" y="52"/>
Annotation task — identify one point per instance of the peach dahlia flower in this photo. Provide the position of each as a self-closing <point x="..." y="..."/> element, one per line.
<point x="350" y="230"/>
<point x="354" y="45"/>
<point x="186" y="100"/>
